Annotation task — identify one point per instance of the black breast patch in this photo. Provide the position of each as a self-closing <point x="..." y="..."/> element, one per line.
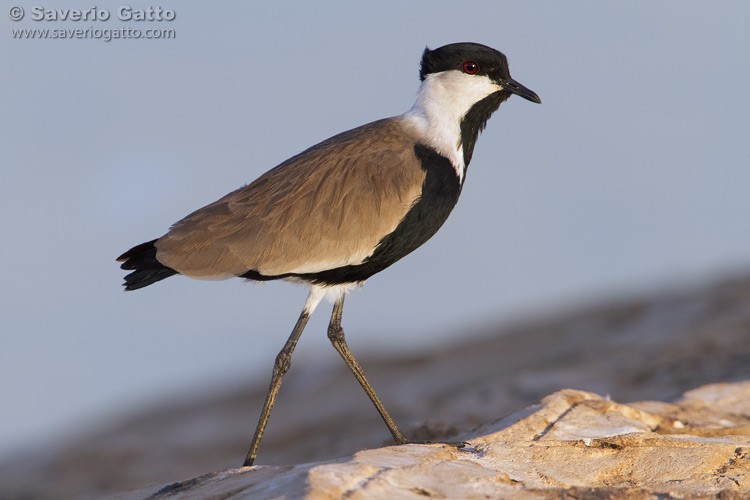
<point x="440" y="191"/>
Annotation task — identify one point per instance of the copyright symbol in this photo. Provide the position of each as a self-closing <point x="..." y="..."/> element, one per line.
<point x="16" y="13"/>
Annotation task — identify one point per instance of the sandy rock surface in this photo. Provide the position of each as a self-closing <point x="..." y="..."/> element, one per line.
<point x="573" y="444"/>
<point x="653" y="348"/>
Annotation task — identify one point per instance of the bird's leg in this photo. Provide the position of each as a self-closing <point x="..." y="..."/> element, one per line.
<point x="280" y="367"/>
<point x="336" y="336"/>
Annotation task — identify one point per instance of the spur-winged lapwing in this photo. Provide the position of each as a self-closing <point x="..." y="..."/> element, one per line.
<point x="345" y="209"/>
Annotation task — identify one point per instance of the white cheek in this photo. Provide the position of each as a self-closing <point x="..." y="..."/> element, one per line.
<point x="462" y="91"/>
<point x="443" y="100"/>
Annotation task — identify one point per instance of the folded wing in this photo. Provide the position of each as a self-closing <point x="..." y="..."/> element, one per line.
<point x="325" y="208"/>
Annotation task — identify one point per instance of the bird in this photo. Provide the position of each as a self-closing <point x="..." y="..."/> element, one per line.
<point x="345" y="209"/>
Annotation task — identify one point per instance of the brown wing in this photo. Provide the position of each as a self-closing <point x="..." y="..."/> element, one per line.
<point x="324" y="208"/>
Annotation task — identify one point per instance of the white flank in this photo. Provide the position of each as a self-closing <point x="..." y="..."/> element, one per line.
<point x="443" y="99"/>
<point x="331" y="293"/>
<point x="313" y="299"/>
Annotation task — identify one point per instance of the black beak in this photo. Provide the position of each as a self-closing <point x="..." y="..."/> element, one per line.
<point x="516" y="88"/>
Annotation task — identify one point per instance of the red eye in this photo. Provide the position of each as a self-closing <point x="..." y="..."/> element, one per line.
<point x="470" y="67"/>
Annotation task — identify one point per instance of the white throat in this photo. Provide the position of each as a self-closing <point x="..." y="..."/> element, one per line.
<point x="443" y="99"/>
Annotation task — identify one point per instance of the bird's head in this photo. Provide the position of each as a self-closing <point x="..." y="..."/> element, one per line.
<point x="473" y="69"/>
<point x="462" y="85"/>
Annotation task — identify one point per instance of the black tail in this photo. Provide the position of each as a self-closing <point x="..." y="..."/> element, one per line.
<point x="146" y="269"/>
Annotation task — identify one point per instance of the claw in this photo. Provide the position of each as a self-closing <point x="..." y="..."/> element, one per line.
<point x="454" y="444"/>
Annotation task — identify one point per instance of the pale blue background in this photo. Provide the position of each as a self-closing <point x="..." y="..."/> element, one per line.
<point x="633" y="175"/>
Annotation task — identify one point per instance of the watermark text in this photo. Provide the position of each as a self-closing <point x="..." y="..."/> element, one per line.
<point x="104" y="34"/>
<point x="123" y="13"/>
<point x="137" y="23"/>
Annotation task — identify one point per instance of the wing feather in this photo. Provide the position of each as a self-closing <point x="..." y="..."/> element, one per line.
<point x="325" y="208"/>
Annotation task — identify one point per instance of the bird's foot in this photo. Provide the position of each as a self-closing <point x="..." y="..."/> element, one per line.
<point x="453" y="444"/>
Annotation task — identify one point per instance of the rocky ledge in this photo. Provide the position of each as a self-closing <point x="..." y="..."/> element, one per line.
<point x="573" y="444"/>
